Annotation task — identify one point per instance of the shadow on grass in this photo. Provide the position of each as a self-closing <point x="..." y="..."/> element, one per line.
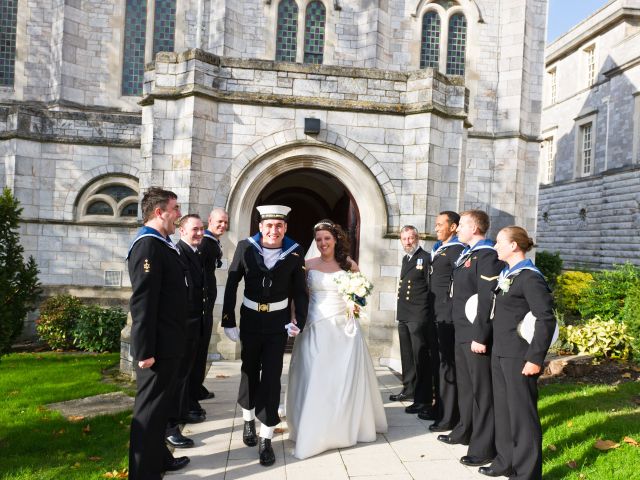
<point x="577" y="418"/>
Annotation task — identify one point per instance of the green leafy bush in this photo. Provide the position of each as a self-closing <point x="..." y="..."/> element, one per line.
<point x="98" y="328"/>
<point x="19" y="286"/>
<point x="58" y="316"/>
<point x="550" y="264"/>
<point x="606" y="294"/>
<point x="600" y="338"/>
<point x="569" y="288"/>
<point x="631" y="317"/>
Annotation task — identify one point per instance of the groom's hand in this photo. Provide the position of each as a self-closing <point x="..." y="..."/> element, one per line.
<point x="232" y="333"/>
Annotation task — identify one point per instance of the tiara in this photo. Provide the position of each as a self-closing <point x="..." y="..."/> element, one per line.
<point x="320" y="224"/>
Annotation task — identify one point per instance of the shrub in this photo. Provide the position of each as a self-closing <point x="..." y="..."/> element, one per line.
<point x="98" y="329"/>
<point x="605" y="295"/>
<point x="19" y="286"/>
<point x="600" y="338"/>
<point x="569" y="287"/>
<point x="631" y="317"/>
<point x="58" y="315"/>
<point x="550" y="264"/>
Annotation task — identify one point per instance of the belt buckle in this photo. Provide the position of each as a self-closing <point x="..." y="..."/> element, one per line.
<point x="263" y="307"/>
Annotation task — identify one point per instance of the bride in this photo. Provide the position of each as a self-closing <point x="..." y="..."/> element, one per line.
<point x="332" y="398"/>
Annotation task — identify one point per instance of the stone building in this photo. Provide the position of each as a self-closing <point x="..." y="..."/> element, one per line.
<point x="589" y="201"/>
<point x="375" y="114"/>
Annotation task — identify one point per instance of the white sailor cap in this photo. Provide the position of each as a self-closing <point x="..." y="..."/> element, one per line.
<point x="273" y="211"/>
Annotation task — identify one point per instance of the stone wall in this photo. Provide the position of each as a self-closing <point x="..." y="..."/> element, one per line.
<point x="594" y="222"/>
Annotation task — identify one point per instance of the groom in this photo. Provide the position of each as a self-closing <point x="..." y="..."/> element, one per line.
<point x="273" y="269"/>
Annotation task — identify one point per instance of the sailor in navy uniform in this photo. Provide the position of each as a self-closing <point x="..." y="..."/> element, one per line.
<point x="158" y="309"/>
<point x="414" y="331"/>
<point x="523" y="330"/>
<point x="211" y="255"/>
<point x="444" y="254"/>
<point x="186" y="408"/>
<point x="474" y="279"/>
<point x="272" y="266"/>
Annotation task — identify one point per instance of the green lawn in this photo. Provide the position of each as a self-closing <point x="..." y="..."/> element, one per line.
<point x="575" y="416"/>
<point x="37" y="444"/>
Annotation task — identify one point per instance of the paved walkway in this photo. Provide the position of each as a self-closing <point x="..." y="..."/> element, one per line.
<point x="407" y="451"/>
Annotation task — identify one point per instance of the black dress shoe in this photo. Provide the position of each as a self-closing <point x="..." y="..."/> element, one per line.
<point x="427" y="414"/>
<point x="490" y="472"/>
<point x="400" y="397"/>
<point x="436" y="427"/>
<point x="448" y="440"/>
<point x="249" y="434"/>
<point x="471" y="461"/>
<point x="414" y="408"/>
<point x="179" y="441"/>
<point x="176" y="464"/>
<point x="207" y="396"/>
<point x="193" y="417"/>
<point x="267" y="457"/>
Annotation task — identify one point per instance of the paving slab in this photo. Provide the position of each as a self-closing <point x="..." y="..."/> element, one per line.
<point x="408" y="451"/>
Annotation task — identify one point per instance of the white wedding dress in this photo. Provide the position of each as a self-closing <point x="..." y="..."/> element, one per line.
<point x="332" y="397"/>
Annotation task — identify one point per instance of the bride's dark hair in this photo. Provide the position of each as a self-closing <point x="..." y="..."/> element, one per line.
<point x="343" y="245"/>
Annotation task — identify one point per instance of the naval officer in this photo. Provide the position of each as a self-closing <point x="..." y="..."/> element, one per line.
<point x="443" y="257"/>
<point x="211" y="255"/>
<point x="158" y="333"/>
<point x="272" y="266"/>
<point x="474" y="278"/>
<point x="517" y="358"/>
<point x="414" y="329"/>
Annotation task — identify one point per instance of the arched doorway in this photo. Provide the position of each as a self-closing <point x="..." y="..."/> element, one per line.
<point x="312" y="195"/>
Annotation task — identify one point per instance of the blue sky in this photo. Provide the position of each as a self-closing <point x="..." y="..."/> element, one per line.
<point x="564" y="14"/>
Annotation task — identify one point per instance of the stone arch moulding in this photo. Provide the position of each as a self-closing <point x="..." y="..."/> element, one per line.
<point x="83" y="180"/>
<point x="470" y="8"/>
<point x="355" y="176"/>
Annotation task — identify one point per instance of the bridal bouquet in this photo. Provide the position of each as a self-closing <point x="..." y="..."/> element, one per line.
<point x="355" y="288"/>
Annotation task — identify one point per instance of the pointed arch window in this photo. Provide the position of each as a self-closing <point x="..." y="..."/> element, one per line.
<point x="430" y="40"/>
<point x="286" y="37"/>
<point x="164" y="26"/>
<point x="314" y="22"/>
<point x="8" y="22"/>
<point x="456" y="44"/>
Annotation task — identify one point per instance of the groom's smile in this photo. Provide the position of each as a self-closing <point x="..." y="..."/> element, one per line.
<point x="272" y="231"/>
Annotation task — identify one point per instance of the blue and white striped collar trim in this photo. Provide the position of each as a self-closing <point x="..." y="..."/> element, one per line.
<point x="288" y="245"/>
<point x="210" y="235"/>
<point x="440" y="247"/>
<point x="152" y="232"/>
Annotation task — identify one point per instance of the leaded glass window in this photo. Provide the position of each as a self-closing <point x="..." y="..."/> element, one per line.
<point x="430" y="41"/>
<point x="135" y="29"/>
<point x="286" y="37"/>
<point x="8" y="20"/>
<point x="164" y="26"/>
<point x="456" y="45"/>
<point x="130" y="210"/>
<point x="118" y="192"/>
<point x="314" y="23"/>
<point x="99" y="208"/>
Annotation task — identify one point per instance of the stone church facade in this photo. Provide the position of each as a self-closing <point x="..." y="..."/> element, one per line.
<point x="589" y="205"/>
<point x="374" y="114"/>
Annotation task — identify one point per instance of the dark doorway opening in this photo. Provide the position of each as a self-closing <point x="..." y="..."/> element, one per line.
<point x="312" y="195"/>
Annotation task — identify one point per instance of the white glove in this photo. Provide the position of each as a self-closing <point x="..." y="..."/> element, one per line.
<point x="232" y="333"/>
<point x="292" y="329"/>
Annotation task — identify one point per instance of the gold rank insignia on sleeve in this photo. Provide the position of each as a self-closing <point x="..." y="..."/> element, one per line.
<point x="489" y="279"/>
<point x="225" y="316"/>
<point x="146" y="265"/>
